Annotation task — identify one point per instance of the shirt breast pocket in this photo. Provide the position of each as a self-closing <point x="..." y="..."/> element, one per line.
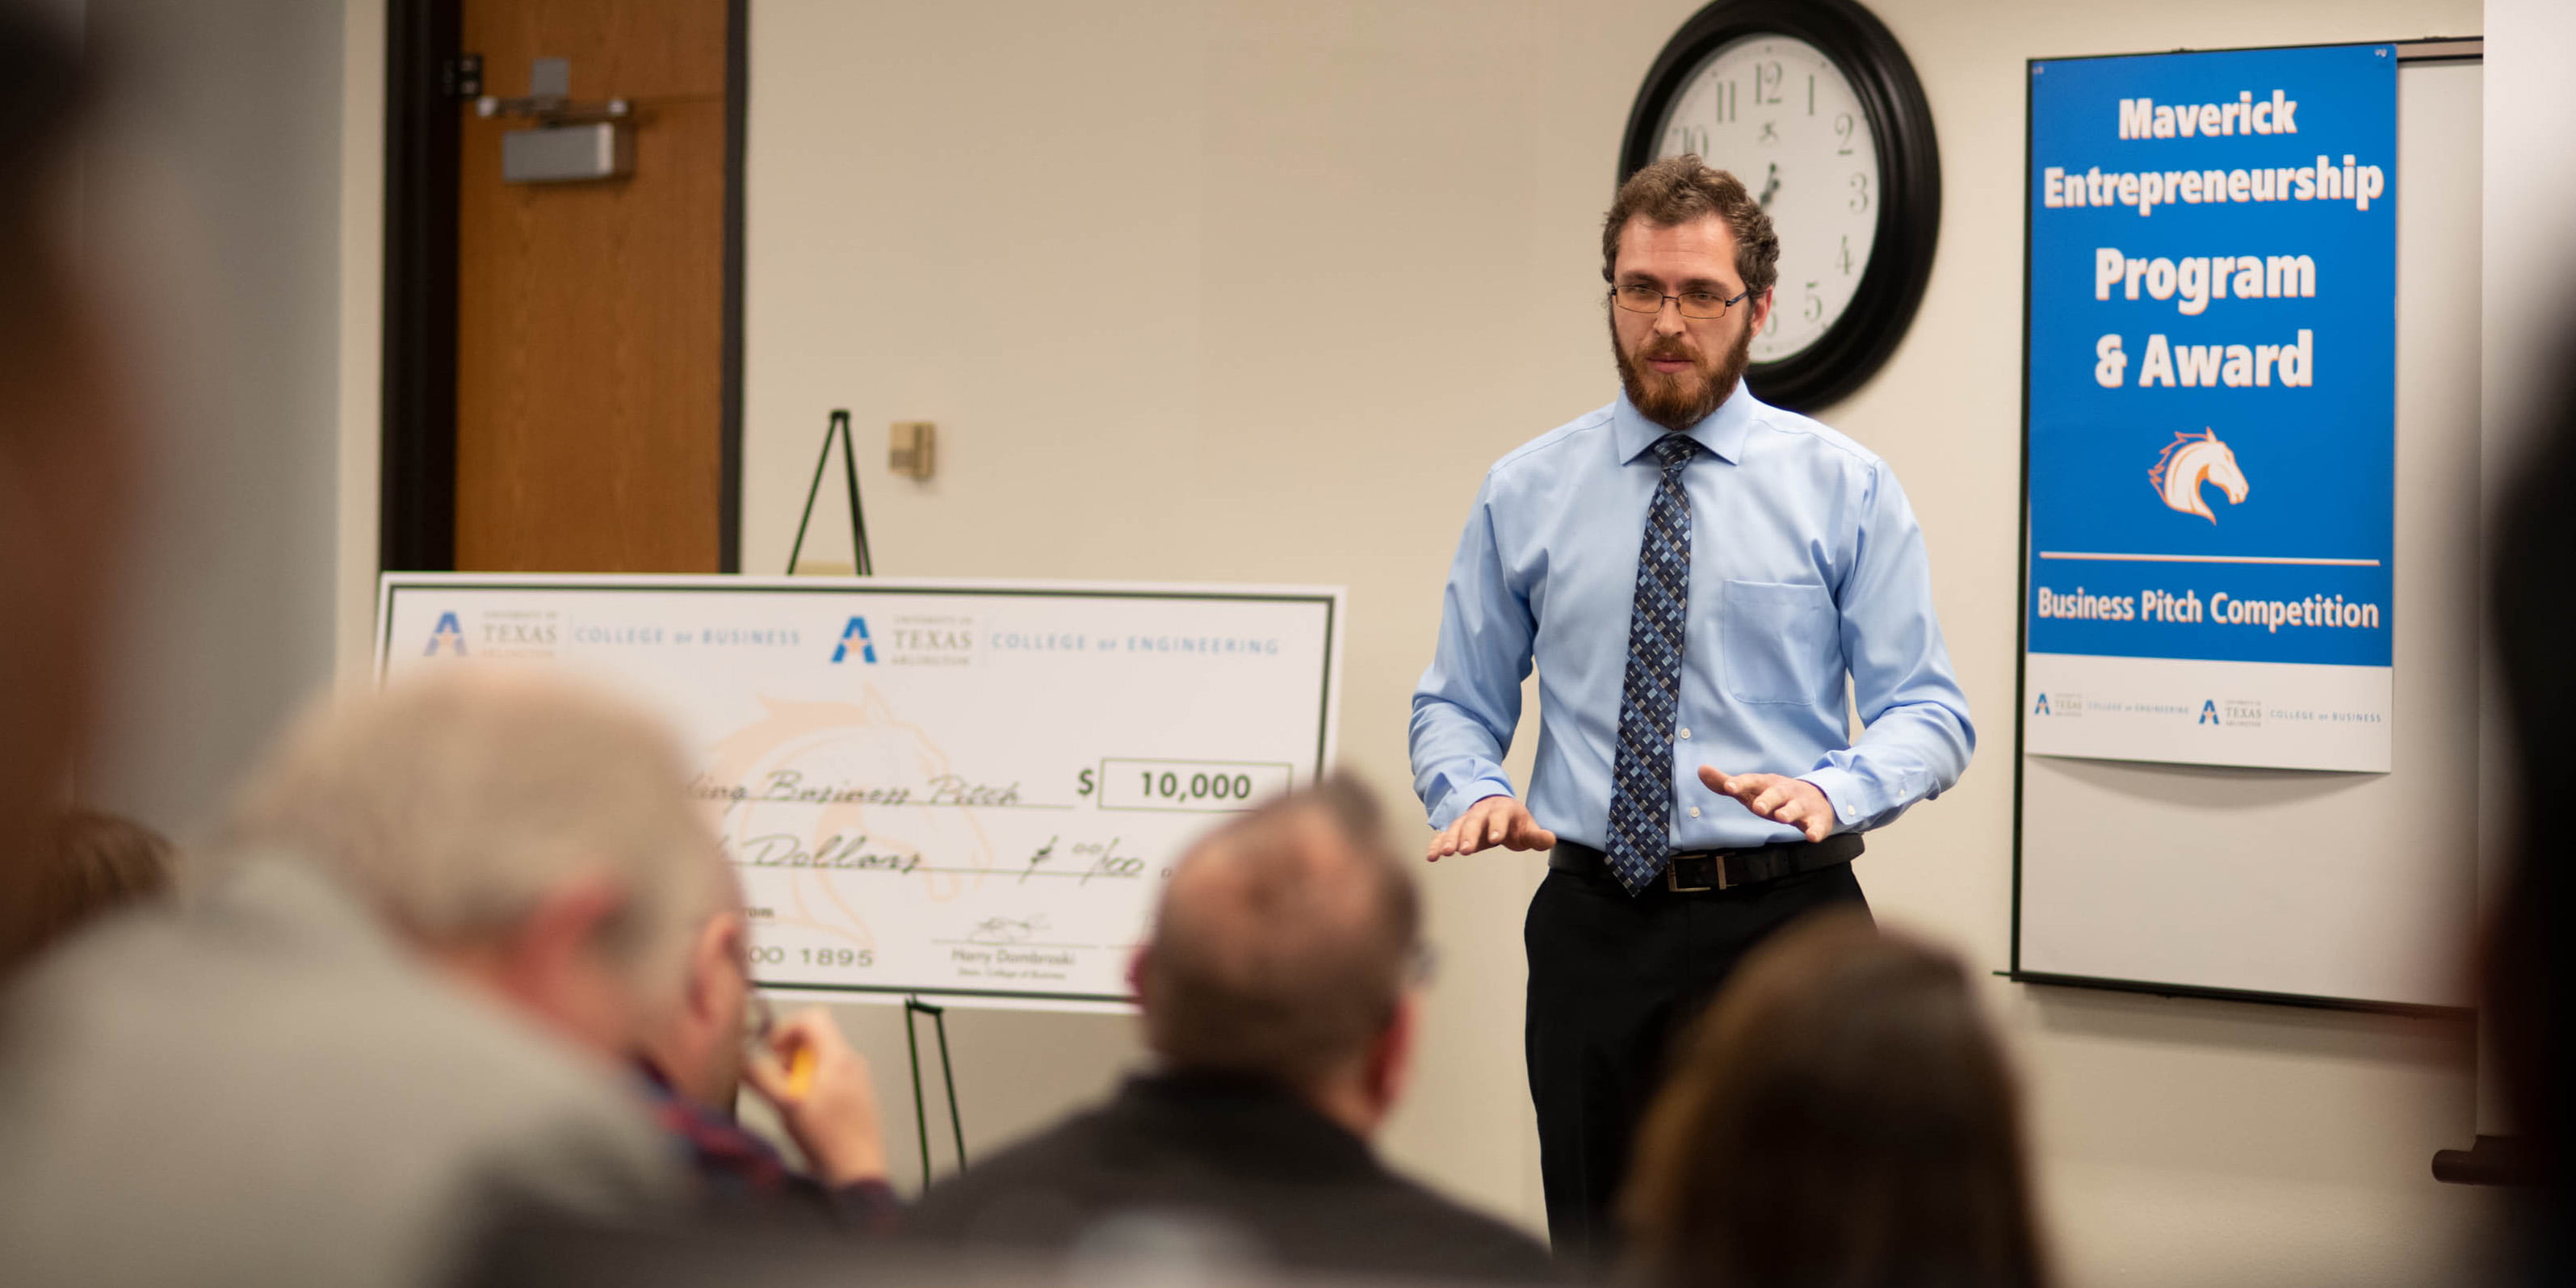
<point x="1782" y="641"/>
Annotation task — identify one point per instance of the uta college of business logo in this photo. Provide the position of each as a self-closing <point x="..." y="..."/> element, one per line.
<point x="449" y="633"/>
<point x="855" y="633"/>
<point x="2191" y="460"/>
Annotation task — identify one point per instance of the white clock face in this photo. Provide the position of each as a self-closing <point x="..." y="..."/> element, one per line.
<point x="1778" y="114"/>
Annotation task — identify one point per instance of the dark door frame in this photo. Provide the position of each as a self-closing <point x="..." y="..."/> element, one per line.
<point x="416" y="484"/>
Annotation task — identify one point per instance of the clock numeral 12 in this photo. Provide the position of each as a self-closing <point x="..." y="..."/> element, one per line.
<point x="1773" y="75"/>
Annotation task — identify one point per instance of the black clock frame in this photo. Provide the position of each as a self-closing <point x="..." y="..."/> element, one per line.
<point x="1909" y="162"/>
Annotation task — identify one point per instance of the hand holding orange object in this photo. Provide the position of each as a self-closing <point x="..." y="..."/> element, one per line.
<point x="824" y="1095"/>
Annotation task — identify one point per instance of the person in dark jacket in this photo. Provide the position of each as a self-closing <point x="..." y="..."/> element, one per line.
<point x="1277" y="999"/>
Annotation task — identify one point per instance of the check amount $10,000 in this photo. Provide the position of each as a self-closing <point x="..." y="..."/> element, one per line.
<point x="1198" y="786"/>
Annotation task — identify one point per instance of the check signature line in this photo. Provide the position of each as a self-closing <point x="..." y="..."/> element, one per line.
<point x="998" y="943"/>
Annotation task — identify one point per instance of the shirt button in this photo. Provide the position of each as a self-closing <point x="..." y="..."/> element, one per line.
<point x="1694" y="811"/>
<point x="1686" y="731"/>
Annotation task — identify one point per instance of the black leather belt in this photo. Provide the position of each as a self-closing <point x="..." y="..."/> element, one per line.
<point x="1724" y="869"/>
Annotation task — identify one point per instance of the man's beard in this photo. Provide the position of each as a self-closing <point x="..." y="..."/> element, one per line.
<point x="1683" y="399"/>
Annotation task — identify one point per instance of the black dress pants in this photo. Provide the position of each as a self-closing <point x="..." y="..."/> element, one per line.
<point x="1612" y="976"/>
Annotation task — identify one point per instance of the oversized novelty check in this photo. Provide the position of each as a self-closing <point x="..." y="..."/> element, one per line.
<point x="970" y="789"/>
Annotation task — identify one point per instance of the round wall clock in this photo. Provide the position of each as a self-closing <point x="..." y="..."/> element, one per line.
<point x="1814" y="106"/>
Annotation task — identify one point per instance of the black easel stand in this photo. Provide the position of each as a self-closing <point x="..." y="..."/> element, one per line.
<point x="861" y="562"/>
<point x="947" y="1072"/>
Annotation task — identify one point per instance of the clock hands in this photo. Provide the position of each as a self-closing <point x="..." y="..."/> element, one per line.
<point x="1770" y="186"/>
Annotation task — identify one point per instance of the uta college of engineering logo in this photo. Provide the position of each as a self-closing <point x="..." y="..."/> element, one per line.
<point x="449" y="633"/>
<point x="855" y="633"/>
<point x="2191" y="460"/>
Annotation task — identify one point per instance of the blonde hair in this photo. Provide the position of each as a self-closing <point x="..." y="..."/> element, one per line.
<point x="453" y="803"/>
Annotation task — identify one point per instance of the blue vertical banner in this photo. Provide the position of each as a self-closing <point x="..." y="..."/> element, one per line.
<point x="2211" y="407"/>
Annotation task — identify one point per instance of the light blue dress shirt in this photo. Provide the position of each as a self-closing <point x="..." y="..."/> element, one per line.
<point x="1806" y="566"/>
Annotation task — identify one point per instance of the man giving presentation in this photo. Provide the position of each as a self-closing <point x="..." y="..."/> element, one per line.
<point x="1694" y="574"/>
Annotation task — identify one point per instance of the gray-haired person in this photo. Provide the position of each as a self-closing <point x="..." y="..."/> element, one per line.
<point x="443" y="916"/>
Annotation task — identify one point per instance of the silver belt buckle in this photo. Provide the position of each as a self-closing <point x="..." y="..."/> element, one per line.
<point x="1672" y="874"/>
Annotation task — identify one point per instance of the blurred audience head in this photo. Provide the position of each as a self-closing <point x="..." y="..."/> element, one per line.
<point x="697" y="1042"/>
<point x="63" y="457"/>
<point x="1285" y="949"/>
<point x="41" y="93"/>
<point x="1841" y="1116"/>
<point x="530" y="834"/>
<point x="2524" y="971"/>
<point x="88" y="863"/>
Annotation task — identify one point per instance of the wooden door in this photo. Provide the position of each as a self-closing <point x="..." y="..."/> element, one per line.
<point x="591" y="331"/>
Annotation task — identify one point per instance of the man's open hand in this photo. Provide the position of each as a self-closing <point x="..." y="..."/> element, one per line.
<point x="1495" y="820"/>
<point x="1794" y="801"/>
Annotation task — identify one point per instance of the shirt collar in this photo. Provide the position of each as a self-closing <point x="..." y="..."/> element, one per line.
<point x="1236" y="1112"/>
<point x="1722" y="431"/>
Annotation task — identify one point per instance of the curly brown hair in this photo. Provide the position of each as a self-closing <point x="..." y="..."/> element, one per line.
<point x="1677" y="190"/>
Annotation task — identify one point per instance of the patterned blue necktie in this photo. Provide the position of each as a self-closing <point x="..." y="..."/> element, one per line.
<point x="1641" y="777"/>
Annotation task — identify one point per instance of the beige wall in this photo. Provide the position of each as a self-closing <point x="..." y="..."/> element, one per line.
<point x="236" y="232"/>
<point x="360" y="449"/>
<point x="1255" y="292"/>
<point x="211" y="214"/>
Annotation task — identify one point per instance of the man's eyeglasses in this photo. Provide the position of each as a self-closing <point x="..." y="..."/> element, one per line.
<point x="1638" y="297"/>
